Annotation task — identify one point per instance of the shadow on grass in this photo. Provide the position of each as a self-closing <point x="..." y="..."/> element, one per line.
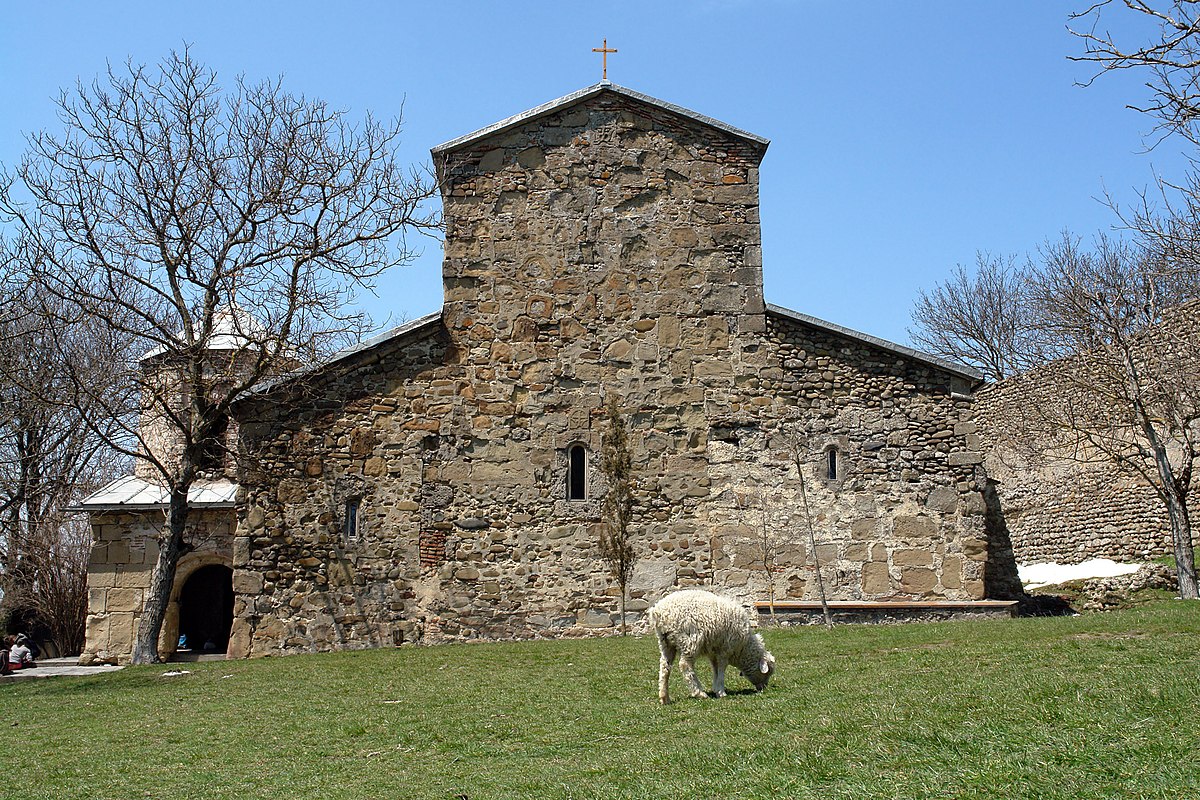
<point x="1044" y="605"/>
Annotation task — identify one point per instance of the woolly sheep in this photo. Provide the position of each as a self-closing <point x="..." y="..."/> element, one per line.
<point x="694" y="623"/>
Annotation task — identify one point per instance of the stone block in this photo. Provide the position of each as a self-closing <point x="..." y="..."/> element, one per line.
<point x="973" y="503"/>
<point x="943" y="499"/>
<point x="121" y="633"/>
<point x="133" y="577"/>
<point x="752" y="323"/>
<point x="596" y="619"/>
<point x="124" y="600"/>
<point x="291" y="491"/>
<point x="914" y="527"/>
<point x="99" y="554"/>
<point x="912" y="558"/>
<point x="118" y="552"/>
<point x="917" y="580"/>
<point x="96" y="633"/>
<point x="863" y="528"/>
<point x="255" y="517"/>
<point x="876" y="579"/>
<point x="652" y="577"/>
<point x="952" y="572"/>
<point x="965" y="458"/>
<point x="102" y="576"/>
<point x="240" y="556"/>
<point x="492" y="160"/>
<point x="96" y="600"/>
<point x="712" y="369"/>
<point x="531" y="157"/>
<point x="239" y="639"/>
<point x="247" y="582"/>
<point x="975" y="549"/>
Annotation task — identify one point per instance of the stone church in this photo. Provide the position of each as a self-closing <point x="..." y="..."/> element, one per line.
<point x="442" y="481"/>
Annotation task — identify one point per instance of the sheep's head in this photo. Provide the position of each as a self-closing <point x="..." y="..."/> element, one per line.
<point x="761" y="667"/>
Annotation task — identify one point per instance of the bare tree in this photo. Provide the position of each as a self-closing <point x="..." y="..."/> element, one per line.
<point x="50" y="457"/>
<point x="225" y="232"/>
<point x="798" y="461"/>
<point x="976" y="318"/>
<point x="616" y="539"/>
<point x="767" y="555"/>
<point x="767" y="538"/>
<point x="1126" y="389"/>
<point x="1171" y="57"/>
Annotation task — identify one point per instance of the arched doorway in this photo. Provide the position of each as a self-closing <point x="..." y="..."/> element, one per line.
<point x="206" y="609"/>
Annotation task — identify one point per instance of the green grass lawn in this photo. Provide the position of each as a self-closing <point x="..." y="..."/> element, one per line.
<point x="1103" y="705"/>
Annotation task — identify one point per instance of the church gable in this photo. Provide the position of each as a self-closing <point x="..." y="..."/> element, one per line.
<point x="602" y="210"/>
<point x="819" y="345"/>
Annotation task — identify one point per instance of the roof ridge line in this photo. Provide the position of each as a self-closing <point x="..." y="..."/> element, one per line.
<point x="928" y="358"/>
<point x="583" y="94"/>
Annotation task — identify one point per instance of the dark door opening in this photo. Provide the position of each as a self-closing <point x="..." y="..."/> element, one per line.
<point x="206" y="610"/>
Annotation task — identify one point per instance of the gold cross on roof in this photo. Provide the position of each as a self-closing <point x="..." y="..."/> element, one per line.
<point x="604" y="49"/>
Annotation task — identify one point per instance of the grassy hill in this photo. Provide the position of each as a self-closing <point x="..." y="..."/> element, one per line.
<point x="1100" y="706"/>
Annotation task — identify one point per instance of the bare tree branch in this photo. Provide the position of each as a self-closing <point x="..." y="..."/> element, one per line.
<point x="226" y="232"/>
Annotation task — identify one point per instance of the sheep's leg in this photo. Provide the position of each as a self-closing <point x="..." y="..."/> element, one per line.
<point x="718" y="665"/>
<point x="667" y="652"/>
<point x="689" y="677"/>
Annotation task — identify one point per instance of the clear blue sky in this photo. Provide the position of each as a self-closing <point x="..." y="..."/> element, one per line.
<point x="904" y="136"/>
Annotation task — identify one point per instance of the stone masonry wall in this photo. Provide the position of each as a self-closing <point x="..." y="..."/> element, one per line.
<point x="607" y="252"/>
<point x="902" y="519"/>
<point x="1058" y="508"/>
<point x="124" y="550"/>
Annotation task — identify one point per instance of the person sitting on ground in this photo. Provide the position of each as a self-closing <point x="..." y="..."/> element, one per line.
<point x="5" y="645"/>
<point x="19" y="655"/>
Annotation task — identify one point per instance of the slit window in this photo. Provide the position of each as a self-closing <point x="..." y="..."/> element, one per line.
<point x="831" y="464"/>
<point x="576" y="472"/>
<point x="352" y="530"/>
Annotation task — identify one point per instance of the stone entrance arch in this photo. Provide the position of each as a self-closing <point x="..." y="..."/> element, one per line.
<point x="201" y="606"/>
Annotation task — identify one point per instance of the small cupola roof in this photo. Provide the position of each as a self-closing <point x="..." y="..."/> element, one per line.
<point x="234" y="328"/>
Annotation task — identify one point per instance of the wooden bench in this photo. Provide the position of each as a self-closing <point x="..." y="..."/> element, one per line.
<point x="886" y="610"/>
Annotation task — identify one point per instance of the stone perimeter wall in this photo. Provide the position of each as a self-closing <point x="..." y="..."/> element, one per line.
<point x="1061" y="510"/>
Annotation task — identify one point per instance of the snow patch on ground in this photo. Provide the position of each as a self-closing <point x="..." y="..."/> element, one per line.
<point x="1035" y="576"/>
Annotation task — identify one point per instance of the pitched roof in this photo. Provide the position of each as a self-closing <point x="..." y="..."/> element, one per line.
<point x="131" y="492"/>
<point x="412" y="326"/>
<point x="883" y="344"/>
<point x="583" y="94"/>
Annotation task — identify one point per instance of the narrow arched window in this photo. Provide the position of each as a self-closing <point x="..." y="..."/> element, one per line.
<point x="831" y="464"/>
<point x="576" y="472"/>
<point x="352" y="524"/>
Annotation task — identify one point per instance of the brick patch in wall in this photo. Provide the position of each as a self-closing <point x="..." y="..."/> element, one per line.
<point x="433" y="549"/>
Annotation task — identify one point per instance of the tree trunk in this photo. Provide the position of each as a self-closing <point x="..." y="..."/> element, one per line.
<point x="145" y="649"/>
<point x="1181" y="539"/>
<point x="623" y="631"/>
